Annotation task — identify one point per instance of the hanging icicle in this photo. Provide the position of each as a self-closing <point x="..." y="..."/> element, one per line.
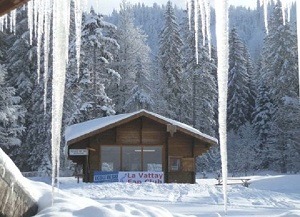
<point x="35" y="16"/>
<point x="289" y="12"/>
<point x="47" y="18"/>
<point x="60" y="58"/>
<point x="203" y="20"/>
<point x="13" y="17"/>
<point x="223" y="65"/>
<point x="284" y="8"/>
<point x="78" y="24"/>
<point x="196" y="32"/>
<point x="30" y="20"/>
<point x="189" y="4"/>
<point x="265" y="4"/>
<point x="3" y="22"/>
<point x="40" y="30"/>
<point x="208" y="30"/>
<point x="9" y="19"/>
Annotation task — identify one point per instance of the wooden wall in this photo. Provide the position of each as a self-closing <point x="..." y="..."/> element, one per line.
<point x="181" y="146"/>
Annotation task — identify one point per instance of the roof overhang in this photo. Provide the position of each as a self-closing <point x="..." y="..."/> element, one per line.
<point x="125" y="118"/>
<point x="8" y="5"/>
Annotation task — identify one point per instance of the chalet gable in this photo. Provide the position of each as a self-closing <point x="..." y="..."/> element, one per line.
<point x="81" y="131"/>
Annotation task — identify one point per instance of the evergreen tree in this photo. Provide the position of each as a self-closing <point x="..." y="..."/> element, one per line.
<point x="35" y="140"/>
<point x="11" y="114"/>
<point x="133" y="63"/>
<point x="240" y="106"/>
<point x="264" y="111"/>
<point x="140" y="93"/>
<point x="170" y="59"/>
<point x="279" y="71"/>
<point x="88" y="91"/>
<point x="242" y="154"/>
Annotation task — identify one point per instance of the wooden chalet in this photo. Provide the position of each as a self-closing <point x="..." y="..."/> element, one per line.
<point x="138" y="141"/>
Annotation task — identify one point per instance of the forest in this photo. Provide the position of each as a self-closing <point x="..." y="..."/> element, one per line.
<point x="143" y="57"/>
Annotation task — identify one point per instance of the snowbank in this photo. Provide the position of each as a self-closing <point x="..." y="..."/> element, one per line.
<point x="266" y="196"/>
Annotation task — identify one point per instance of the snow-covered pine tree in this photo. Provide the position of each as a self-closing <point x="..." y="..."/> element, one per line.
<point x="170" y="60"/>
<point x="242" y="156"/>
<point x="88" y="91"/>
<point x="141" y="97"/>
<point x="133" y="63"/>
<point x="262" y="121"/>
<point x="11" y="114"/>
<point x="21" y="67"/>
<point x="239" y="94"/>
<point x="279" y="71"/>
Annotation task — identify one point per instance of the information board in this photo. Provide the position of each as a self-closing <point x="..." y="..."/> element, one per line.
<point x="100" y="176"/>
<point x="130" y="177"/>
<point x="78" y="152"/>
<point x="140" y="177"/>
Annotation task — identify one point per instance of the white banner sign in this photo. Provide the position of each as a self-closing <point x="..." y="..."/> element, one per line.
<point x="78" y="152"/>
<point x="140" y="177"/>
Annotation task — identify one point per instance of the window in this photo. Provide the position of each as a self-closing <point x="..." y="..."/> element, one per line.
<point x="134" y="158"/>
<point x="174" y="163"/>
<point x="110" y="158"/>
<point x="131" y="158"/>
<point x="152" y="158"/>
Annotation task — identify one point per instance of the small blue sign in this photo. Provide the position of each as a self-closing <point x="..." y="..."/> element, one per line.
<point x="100" y="176"/>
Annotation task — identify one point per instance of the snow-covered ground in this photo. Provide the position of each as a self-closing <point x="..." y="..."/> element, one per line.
<point x="267" y="195"/>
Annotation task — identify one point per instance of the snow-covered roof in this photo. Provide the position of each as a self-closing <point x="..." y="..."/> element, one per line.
<point x="86" y="129"/>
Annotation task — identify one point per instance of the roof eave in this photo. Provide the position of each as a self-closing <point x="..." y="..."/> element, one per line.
<point x="8" y="5"/>
<point x="143" y="113"/>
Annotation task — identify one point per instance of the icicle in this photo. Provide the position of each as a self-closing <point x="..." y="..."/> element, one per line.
<point x="298" y="36"/>
<point x="30" y="20"/>
<point x="3" y="22"/>
<point x="189" y="8"/>
<point x="223" y="65"/>
<point x="12" y="21"/>
<point x="264" y="3"/>
<point x="61" y="11"/>
<point x="283" y="8"/>
<point x="46" y="49"/>
<point x="40" y="30"/>
<point x="78" y="24"/>
<point x="289" y="12"/>
<point x="35" y="15"/>
<point x="196" y="31"/>
<point x="203" y="20"/>
<point x="6" y="22"/>
<point x="207" y="12"/>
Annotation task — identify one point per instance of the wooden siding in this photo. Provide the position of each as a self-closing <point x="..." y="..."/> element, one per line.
<point x="129" y="133"/>
<point x="181" y="145"/>
<point x="153" y="133"/>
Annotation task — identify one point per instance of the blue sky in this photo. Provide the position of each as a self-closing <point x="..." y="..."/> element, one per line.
<point x="106" y="6"/>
